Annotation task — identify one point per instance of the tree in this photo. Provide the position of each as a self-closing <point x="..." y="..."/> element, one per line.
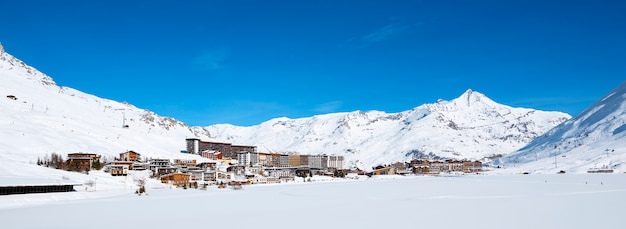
<point x="73" y="166"/>
<point x="97" y="165"/>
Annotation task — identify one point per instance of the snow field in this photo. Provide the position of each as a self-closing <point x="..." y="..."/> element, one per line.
<point x="471" y="201"/>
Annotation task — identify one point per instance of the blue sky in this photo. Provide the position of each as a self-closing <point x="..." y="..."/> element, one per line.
<point x="245" y="62"/>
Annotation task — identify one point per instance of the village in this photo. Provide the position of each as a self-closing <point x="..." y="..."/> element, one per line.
<point x="236" y="165"/>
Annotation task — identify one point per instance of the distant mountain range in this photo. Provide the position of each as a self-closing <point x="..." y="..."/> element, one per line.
<point x="469" y="127"/>
<point x="45" y="118"/>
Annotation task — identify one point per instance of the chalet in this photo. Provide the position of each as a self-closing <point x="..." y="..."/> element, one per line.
<point x="384" y="171"/>
<point x="421" y="169"/>
<point x="400" y="168"/>
<point x="472" y="166"/>
<point x="437" y="167"/>
<point x="176" y="179"/>
<point x="119" y="168"/>
<point x="82" y="161"/>
<point x="130" y="156"/>
<point x="417" y="162"/>
<point x="454" y="166"/>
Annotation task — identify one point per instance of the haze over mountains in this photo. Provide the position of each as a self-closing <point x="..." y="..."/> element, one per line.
<point x="47" y="118"/>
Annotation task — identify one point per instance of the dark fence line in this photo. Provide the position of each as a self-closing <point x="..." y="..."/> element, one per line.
<point x="26" y="189"/>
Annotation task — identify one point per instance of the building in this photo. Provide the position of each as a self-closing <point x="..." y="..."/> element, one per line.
<point x="118" y="169"/>
<point x="210" y="171"/>
<point x="161" y="167"/>
<point x="472" y="166"/>
<point x="196" y="146"/>
<point x="384" y="171"/>
<point x="185" y="162"/>
<point x="82" y="161"/>
<point x="247" y="158"/>
<point x="211" y="154"/>
<point x="284" y="160"/>
<point x="130" y="156"/>
<point x="294" y="160"/>
<point x="315" y="161"/>
<point x="237" y="172"/>
<point x="304" y="160"/>
<point x="176" y="179"/>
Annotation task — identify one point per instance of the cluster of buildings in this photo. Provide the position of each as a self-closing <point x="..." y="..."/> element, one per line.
<point x="227" y="163"/>
<point x="426" y="167"/>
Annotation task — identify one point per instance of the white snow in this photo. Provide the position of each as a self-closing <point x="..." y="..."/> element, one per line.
<point x="46" y="118"/>
<point x="469" y="127"/>
<point x="470" y="201"/>
<point x="594" y="138"/>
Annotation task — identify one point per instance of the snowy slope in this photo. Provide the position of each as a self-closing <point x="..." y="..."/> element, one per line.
<point x="471" y="126"/>
<point x="594" y="138"/>
<point x="46" y="118"/>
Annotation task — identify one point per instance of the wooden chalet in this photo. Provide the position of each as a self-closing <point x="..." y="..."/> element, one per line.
<point x="176" y="179"/>
<point x="130" y="156"/>
<point x="384" y="171"/>
<point x="83" y="160"/>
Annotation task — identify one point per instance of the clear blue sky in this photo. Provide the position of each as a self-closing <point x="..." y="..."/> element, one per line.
<point x="245" y="62"/>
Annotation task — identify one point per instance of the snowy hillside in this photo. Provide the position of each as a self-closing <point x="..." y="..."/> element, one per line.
<point x="37" y="117"/>
<point x="469" y="127"/>
<point x="594" y="138"/>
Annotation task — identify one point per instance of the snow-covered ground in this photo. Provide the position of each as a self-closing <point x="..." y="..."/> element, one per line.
<point x="496" y="200"/>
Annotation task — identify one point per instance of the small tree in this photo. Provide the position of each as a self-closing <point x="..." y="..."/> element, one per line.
<point x="73" y="166"/>
<point x="141" y="182"/>
<point x="97" y="165"/>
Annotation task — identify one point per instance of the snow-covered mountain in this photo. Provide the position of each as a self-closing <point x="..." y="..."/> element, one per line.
<point x="469" y="127"/>
<point x="594" y="138"/>
<point x="38" y="117"/>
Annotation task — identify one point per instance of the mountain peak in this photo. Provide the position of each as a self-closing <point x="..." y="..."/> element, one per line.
<point x="471" y="97"/>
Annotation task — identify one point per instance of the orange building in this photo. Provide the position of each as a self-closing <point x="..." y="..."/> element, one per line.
<point x="177" y="179"/>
